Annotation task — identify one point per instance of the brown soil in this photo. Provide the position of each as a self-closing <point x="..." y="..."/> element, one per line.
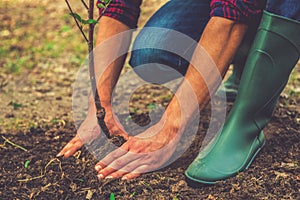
<point x="273" y="175"/>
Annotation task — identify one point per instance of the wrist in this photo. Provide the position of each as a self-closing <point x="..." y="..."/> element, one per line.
<point x="105" y="102"/>
<point x="170" y="126"/>
<point x="176" y="115"/>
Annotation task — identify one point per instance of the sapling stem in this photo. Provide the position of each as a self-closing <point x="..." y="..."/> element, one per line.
<point x="100" y="111"/>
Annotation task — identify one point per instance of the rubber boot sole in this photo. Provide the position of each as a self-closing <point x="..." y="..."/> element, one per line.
<point x="196" y="182"/>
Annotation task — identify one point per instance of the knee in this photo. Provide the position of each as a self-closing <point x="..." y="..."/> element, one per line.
<point x="156" y="65"/>
<point x="142" y="53"/>
<point x="152" y="66"/>
<point x="140" y="56"/>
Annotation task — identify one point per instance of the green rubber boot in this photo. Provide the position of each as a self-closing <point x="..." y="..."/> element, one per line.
<point x="274" y="54"/>
<point x="231" y="85"/>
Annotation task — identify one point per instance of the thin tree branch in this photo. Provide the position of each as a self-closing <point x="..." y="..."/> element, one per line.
<point x="80" y="28"/>
<point x="83" y="2"/>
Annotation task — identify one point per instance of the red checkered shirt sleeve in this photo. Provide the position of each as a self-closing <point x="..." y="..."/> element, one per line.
<point x="239" y="10"/>
<point x="125" y="11"/>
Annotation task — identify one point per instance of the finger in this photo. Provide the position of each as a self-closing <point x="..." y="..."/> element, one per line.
<point x="70" y="148"/>
<point x="137" y="172"/>
<point x="65" y="149"/>
<point x="124" y="160"/>
<point x="105" y="173"/>
<point x="127" y="162"/>
<point x="128" y="168"/>
<point x="111" y="157"/>
<point x="73" y="149"/>
<point x="131" y="175"/>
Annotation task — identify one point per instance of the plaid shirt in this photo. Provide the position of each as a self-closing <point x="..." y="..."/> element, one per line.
<point x="237" y="10"/>
<point x="125" y="11"/>
<point x="128" y="11"/>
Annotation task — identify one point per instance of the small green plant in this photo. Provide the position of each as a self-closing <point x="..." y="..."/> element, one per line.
<point x="26" y="164"/>
<point x="112" y="196"/>
<point x="80" y="179"/>
<point x="128" y="118"/>
<point x="13" y="67"/>
<point x="132" y="194"/>
<point x="152" y="106"/>
<point x="176" y="197"/>
<point x="32" y="124"/>
<point x="15" y="105"/>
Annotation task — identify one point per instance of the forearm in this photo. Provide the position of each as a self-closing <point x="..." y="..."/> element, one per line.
<point x="119" y="16"/>
<point x="220" y="40"/>
<point x="108" y="73"/>
<point x="109" y="60"/>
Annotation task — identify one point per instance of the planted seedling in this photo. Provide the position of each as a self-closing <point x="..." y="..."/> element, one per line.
<point x="91" y="22"/>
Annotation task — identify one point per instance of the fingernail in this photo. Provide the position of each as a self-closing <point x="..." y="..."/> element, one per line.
<point x="124" y="178"/>
<point x="100" y="176"/>
<point x="59" y="154"/>
<point x="67" y="152"/>
<point x="98" y="168"/>
<point x="108" y="177"/>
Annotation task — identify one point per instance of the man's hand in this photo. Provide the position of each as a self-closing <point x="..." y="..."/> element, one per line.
<point x="140" y="154"/>
<point x="87" y="131"/>
<point x="90" y="130"/>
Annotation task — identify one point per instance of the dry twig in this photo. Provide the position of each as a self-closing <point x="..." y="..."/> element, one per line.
<point x="13" y="144"/>
<point x="43" y="173"/>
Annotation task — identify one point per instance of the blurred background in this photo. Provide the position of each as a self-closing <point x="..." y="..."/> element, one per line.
<point x="41" y="50"/>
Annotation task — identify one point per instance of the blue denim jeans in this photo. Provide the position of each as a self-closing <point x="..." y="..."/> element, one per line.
<point x="188" y="17"/>
<point x="286" y="8"/>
